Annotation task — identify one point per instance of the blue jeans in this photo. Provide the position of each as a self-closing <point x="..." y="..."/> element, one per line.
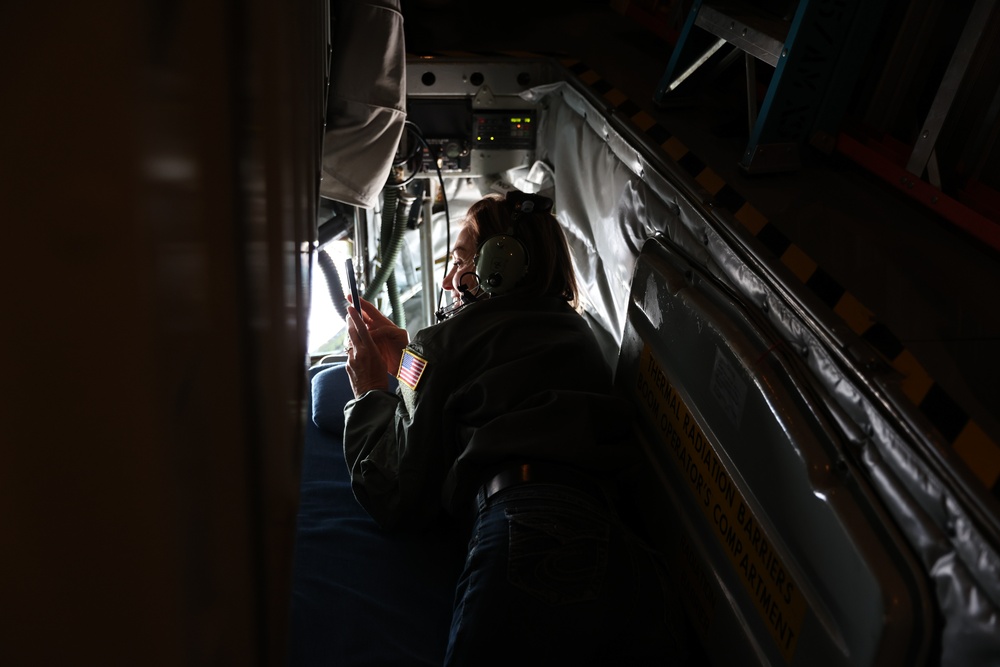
<point x="552" y="577"/>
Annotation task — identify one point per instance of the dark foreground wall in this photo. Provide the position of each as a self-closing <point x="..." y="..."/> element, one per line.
<point x="158" y="194"/>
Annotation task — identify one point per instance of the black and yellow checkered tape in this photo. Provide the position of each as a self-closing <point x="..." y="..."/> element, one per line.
<point x="967" y="438"/>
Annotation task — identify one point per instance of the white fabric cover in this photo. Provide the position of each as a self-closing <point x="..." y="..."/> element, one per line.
<point x="367" y="101"/>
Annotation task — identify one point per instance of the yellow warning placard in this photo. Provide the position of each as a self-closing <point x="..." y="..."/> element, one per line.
<point x="759" y="567"/>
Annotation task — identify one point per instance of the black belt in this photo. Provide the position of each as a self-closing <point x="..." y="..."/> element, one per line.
<point x="544" y="473"/>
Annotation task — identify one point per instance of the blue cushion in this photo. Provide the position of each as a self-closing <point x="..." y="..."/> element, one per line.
<point x="361" y="596"/>
<point x="331" y="390"/>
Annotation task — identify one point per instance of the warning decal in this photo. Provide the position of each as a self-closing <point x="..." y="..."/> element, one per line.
<point x="757" y="564"/>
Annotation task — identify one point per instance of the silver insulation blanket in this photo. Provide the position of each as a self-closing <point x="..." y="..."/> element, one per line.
<point x="611" y="200"/>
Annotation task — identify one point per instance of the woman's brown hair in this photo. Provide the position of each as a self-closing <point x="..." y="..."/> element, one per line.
<point x="550" y="268"/>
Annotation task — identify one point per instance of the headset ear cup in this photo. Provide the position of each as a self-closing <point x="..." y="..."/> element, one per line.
<point x="501" y="263"/>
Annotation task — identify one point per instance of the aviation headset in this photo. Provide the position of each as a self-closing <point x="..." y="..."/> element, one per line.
<point x="502" y="260"/>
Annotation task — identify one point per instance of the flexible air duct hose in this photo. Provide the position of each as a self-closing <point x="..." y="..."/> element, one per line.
<point x="394" y="219"/>
<point x="398" y="314"/>
<point x="333" y="282"/>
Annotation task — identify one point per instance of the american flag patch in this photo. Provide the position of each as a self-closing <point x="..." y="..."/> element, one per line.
<point x="411" y="368"/>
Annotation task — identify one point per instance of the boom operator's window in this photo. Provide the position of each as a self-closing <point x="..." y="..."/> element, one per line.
<point x="327" y="328"/>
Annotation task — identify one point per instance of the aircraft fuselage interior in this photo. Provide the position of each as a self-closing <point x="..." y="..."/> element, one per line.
<point x="174" y="487"/>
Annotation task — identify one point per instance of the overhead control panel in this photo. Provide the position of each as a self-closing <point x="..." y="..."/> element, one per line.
<point x="472" y="115"/>
<point x="447" y="128"/>
<point x="505" y="130"/>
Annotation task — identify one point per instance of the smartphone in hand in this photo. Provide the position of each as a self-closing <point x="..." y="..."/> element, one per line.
<point x="354" y="284"/>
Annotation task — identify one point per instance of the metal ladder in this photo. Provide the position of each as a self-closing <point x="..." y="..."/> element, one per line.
<point x="816" y="53"/>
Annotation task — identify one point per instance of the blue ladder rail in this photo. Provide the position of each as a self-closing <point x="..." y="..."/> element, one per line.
<point x="816" y="54"/>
